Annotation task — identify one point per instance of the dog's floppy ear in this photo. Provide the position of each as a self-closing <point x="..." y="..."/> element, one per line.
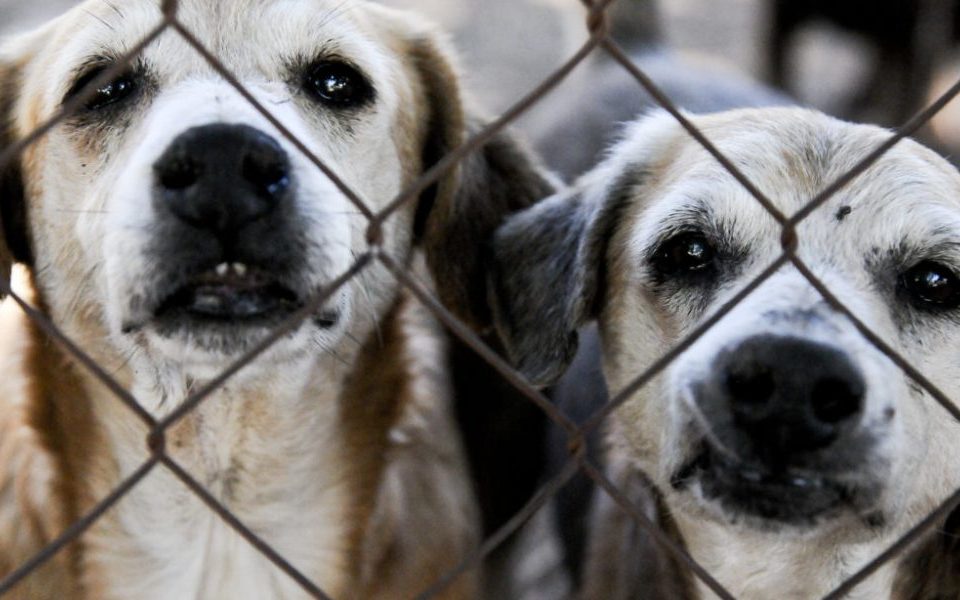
<point x="546" y="279"/>
<point x="13" y="234"/>
<point x="10" y="184"/>
<point x="457" y="217"/>
<point x="547" y="276"/>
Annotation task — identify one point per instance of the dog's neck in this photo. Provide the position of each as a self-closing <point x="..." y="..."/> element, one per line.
<point x="296" y="454"/>
<point x="265" y="451"/>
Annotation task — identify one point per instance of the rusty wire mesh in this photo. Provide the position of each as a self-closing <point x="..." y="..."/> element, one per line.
<point x="599" y="41"/>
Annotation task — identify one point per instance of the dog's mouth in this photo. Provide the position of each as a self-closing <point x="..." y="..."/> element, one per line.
<point x="783" y="494"/>
<point x="226" y="308"/>
<point x="233" y="293"/>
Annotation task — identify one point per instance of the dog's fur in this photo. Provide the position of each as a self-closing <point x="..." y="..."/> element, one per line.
<point x="593" y="251"/>
<point x="338" y="445"/>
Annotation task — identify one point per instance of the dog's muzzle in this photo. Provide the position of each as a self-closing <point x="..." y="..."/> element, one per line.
<point x="226" y="239"/>
<point x="783" y="418"/>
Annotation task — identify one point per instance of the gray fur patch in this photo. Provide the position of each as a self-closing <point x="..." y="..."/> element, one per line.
<point x="548" y="275"/>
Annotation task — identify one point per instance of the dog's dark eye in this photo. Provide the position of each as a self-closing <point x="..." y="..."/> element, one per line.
<point x="338" y="85"/>
<point x="684" y="253"/>
<point x="933" y="285"/>
<point x="107" y="94"/>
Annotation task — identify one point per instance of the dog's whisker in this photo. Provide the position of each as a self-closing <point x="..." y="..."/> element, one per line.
<point x="126" y="361"/>
<point x="336" y="12"/>
<point x="100" y="19"/>
<point x="368" y="303"/>
<point x="138" y="228"/>
<point x="114" y="8"/>
<point x="353" y="338"/>
<point x="334" y="354"/>
<point x="948" y="534"/>
<point x="83" y="290"/>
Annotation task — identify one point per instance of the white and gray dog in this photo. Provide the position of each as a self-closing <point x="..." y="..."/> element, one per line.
<point x="788" y="451"/>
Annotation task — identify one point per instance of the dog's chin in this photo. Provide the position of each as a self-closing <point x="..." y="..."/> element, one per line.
<point x="765" y="499"/>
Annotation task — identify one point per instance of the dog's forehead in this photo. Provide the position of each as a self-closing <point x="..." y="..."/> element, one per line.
<point x="792" y="155"/>
<point x="217" y="23"/>
<point x="252" y="38"/>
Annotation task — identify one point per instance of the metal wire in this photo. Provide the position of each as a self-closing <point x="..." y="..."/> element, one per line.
<point x="597" y="27"/>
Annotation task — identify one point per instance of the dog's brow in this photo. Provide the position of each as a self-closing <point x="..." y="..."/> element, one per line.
<point x="692" y="214"/>
<point x="943" y="245"/>
<point x="104" y="21"/>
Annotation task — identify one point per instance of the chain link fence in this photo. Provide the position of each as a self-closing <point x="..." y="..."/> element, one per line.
<point x="579" y="461"/>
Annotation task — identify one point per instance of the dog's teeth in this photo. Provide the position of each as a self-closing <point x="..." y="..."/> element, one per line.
<point x="208" y="302"/>
<point x="222" y="269"/>
<point x="240" y="269"/>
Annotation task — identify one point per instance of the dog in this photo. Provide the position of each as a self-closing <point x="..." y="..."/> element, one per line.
<point x="166" y="226"/>
<point x="786" y="451"/>
<point x="907" y="41"/>
<point x="604" y="94"/>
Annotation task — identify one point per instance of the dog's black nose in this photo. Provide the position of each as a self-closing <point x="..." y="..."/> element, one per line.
<point x="222" y="177"/>
<point x="784" y="396"/>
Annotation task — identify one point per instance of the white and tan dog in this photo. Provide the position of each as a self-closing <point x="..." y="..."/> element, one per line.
<point x="167" y="226"/>
<point x="787" y="449"/>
